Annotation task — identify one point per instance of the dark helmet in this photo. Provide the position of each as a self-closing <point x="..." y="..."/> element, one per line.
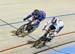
<point x="52" y="27"/>
<point x="36" y="13"/>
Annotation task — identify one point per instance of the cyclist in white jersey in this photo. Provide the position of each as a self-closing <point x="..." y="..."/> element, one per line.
<point x="54" y="28"/>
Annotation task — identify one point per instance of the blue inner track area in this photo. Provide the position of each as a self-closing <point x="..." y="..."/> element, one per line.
<point x="66" y="50"/>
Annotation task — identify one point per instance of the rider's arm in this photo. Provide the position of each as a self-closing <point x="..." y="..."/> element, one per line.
<point x="27" y="17"/>
<point x="48" y="23"/>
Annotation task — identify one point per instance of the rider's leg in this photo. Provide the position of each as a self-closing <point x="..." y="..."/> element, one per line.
<point x="31" y="25"/>
<point x="43" y="38"/>
<point x="51" y="36"/>
<point x="35" y="23"/>
<point x="48" y="37"/>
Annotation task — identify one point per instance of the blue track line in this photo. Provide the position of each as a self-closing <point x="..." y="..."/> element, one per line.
<point x="12" y="23"/>
<point x="47" y="17"/>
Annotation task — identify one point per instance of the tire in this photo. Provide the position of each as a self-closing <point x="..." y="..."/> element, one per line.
<point x="36" y="43"/>
<point x="21" y="29"/>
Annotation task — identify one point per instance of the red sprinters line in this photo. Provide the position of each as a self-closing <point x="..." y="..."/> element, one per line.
<point x="65" y="33"/>
<point x="29" y="43"/>
<point x="13" y="47"/>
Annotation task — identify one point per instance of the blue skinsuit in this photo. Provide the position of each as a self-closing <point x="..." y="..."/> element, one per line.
<point x="42" y="16"/>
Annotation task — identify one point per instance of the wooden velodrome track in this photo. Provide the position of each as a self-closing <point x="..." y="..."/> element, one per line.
<point x="13" y="12"/>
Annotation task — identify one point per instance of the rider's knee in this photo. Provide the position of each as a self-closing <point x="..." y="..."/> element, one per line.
<point x="35" y="23"/>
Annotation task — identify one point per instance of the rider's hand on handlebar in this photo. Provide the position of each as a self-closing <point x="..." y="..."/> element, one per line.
<point x="24" y="19"/>
<point x="43" y="29"/>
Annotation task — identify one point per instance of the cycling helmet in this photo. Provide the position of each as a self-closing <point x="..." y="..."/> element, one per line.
<point x="36" y="13"/>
